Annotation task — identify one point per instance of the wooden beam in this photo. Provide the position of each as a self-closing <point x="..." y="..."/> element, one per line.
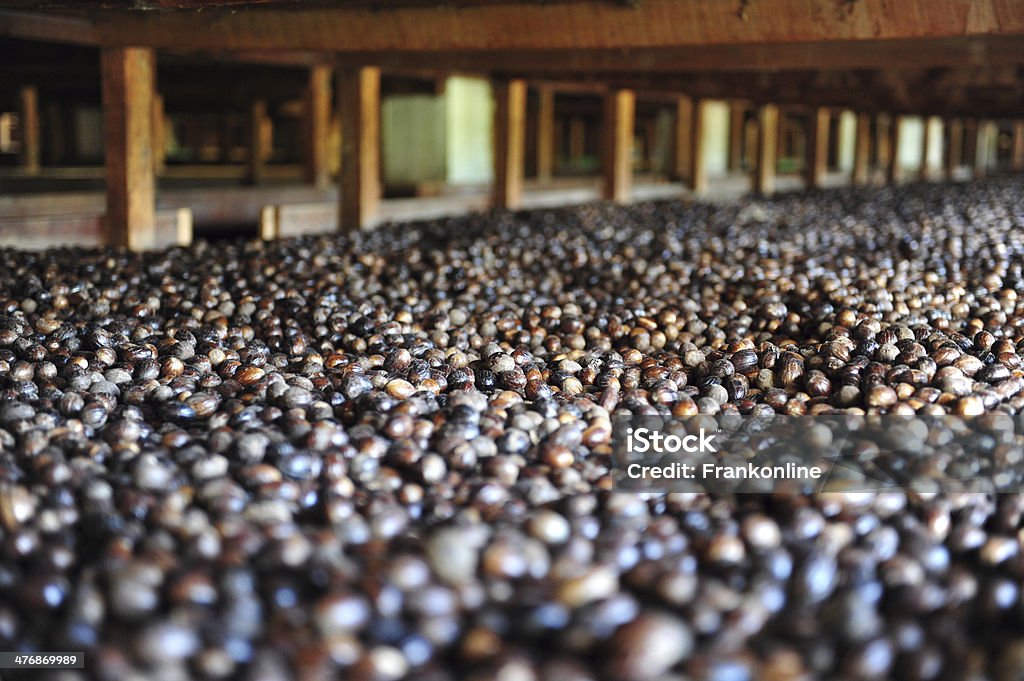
<point x="28" y="154"/>
<point x="954" y="147"/>
<point x="317" y="126"/>
<point x="737" y="114"/>
<point x="862" y="150"/>
<point x="359" y="99"/>
<point x="683" y="138"/>
<point x="545" y="132"/>
<point x="488" y="26"/>
<point x="698" y="165"/>
<point x="767" y="149"/>
<point x="1017" y="155"/>
<point x="128" y="132"/>
<point x="617" y="145"/>
<point x="894" y="170"/>
<point x="817" y="146"/>
<point x="257" y="140"/>
<point x="159" y="135"/>
<point x="509" y="142"/>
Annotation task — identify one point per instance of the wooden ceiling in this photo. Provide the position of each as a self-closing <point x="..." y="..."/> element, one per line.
<point x="915" y="56"/>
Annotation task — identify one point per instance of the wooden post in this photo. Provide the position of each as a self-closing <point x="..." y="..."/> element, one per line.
<point x="29" y="150"/>
<point x="862" y="150"/>
<point x="981" y="141"/>
<point x="767" y="149"/>
<point x="1017" y="156"/>
<point x="954" y="148"/>
<point x="159" y="135"/>
<point x="617" y="145"/>
<point x="684" y="138"/>
<point x="737" y="114"/>
<point x="359" y="98"/>
<point x="893" y="170"/>
<point x="128" y="128"/>
<point x="926" y="142"/>
<point x="318" y="121"/>
<point x="257" y="152"/>
<point x="509" y="142"/>
<point x="883" y="141"/>
<point x="545" y="133"/>
<point x="817" y="147"/>
<point x="698" y="167"/>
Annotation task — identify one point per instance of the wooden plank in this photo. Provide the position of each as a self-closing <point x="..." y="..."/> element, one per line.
<point x="172" y="227"/>
<point x="893" y="168"/>
<point x="862" y="150"/>
<point x="570" y="25"/>
<point x="545" y="132"/>
<point x="128" y="132"/>
<point x="509" y="142"/>
<point x="683" y="138"/>
<point x="617" y="145"/>
<point x="954" y="147"/>
<point x="28" y="154"/>
<point x="1017" y="155"/>
<point x="698" y="166"/>
<point x="359" y="98"/>
<point x="817" y="146"/>
<point x="767" y="149"/>
<point x="737" y="114"/>
<point x="257" y="140"/>
<point x="317" y="126"/>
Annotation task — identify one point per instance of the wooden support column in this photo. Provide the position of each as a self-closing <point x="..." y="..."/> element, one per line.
<point x="862" y="150"/>
<point x="159" y="135"/>
<point x="28" y="156"/>
<point x="737" y="114"/>
<point x="257" y="139"/>
<point x="128" y="130"/>
<point x="359" y="99"/>
<point x="926" y="142"/>
<point x="954" y="147"/>
<point x="683" y="138"/>
<point x="883" y="141"/>
<point x="893" y="171"/>
<point x="1017" y="155"/>
<point x="981" y="143"/>
<point x="318" y="123"/>
<point x="617" y="145"/>
<point x="817" y="147"/>
<point x="767" y="149"/>
<point x="545" y="133"/>
<point x="698" y="167"/>
<point x="509" y="142"/>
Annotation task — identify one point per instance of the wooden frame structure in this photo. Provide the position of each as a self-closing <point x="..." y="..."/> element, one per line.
<point x="884" y="62"/>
